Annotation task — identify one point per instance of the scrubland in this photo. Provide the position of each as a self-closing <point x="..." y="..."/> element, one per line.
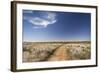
<point x="56" y="51"/>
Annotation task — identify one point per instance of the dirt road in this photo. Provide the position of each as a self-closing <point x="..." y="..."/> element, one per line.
<point x="59" y="55"/>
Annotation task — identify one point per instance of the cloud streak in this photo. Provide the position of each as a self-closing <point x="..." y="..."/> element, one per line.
<point x="27" y="11"/>
<point x="42" y="21"/>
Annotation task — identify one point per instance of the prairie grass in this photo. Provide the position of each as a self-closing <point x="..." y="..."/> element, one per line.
<point x="36" y="52"/>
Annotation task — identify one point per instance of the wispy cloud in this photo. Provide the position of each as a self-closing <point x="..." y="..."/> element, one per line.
<point x="49" y="15"/>
<point x="45" y="19"/>
<point x="27" y="11"/>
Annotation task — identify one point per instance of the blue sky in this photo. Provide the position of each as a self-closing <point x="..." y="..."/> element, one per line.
<point x="52" y="25"/>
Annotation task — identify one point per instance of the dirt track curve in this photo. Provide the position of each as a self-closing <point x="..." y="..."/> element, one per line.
<point x="59" y="54"/>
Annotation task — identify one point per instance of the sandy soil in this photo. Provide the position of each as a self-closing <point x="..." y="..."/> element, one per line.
<point x="59" y="55"/>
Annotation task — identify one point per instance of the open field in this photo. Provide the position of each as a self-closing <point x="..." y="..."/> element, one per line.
<point x="56" y="51"/>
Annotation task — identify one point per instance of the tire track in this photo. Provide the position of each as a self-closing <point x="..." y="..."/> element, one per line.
<point x="60" y="54"/>
<point x="51" y="53"/>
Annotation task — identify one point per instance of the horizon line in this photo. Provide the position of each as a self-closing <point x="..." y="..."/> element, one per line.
<point x="62" y="41"/>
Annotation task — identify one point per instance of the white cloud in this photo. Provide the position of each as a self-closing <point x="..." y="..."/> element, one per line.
<point x="46" y="19"/>
<point x="50" y="15"/>
<point x="39" y="21"/>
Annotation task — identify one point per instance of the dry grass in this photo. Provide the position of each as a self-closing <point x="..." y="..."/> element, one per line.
<point x="42" y="51"/>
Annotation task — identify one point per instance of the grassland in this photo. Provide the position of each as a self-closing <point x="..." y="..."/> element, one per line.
<point x="56" y="51"/>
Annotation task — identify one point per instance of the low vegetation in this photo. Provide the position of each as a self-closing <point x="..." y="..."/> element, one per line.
<point x="42" y="51"/>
